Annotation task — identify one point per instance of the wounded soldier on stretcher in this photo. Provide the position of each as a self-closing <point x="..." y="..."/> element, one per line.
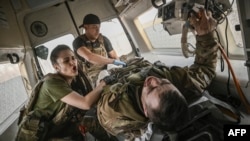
<point x="144" y="93"/>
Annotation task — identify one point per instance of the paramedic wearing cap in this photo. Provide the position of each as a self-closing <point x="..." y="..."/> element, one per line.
<point x="94" y="49"/>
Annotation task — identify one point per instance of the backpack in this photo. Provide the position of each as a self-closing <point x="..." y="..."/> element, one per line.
<point x="30" y="127"/>
<point x="206" y="124"/>
<point x="32" y="100"/>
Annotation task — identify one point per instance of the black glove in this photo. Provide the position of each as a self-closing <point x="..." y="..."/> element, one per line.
<point x="109" y="79"/>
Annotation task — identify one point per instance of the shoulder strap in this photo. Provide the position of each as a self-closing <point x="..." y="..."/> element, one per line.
<point x="83" y="37"/>
<point x="100" y="39"/>
<point x="35" y="92"/>
<point x="32" y="100"/>
<point x="81" y="83"/>
<point x="34" y="96"/>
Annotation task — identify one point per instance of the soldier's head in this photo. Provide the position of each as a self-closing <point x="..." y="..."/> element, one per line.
<point x="91" y="24"/>
<point x="64" y="61"/>
<point x="163" y="103"/>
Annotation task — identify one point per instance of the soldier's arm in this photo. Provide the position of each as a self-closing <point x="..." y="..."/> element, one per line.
<point x="206" y="48"/>
<point x="84" y="102"/>
<point x="206" y="45"/>
<point x="193" y="80"/>
<point x="109" y="48"/>
<point x="113" y="54"/>
<point x="93" y="58"/>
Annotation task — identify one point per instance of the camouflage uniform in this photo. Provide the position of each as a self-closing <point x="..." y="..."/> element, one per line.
<point x="119" y="109"/>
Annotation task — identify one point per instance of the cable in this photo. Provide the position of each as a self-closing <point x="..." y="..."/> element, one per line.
<point x="221" y="58"/>
<point x="231" y="5"/>
<point x="229" y="76"/>
<point x="189" y="44"/>
<point x="225" y="18"/>
<point x="184" y="45"/>
<point x="154" y="22"/>
<point x="240" y="92"/>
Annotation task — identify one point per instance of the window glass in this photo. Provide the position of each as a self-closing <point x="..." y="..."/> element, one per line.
<point x="8" y="71"/>
<point x="115" y="34"/>
<point x="156" y="34"/>
<point x="13" y="94"/>
<point x="113" y="30"/>
<point x="233" y="19"/>
<point x="46" y="64"/>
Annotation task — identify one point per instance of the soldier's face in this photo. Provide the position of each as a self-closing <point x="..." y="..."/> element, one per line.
<point x="92" y="31"/>
<point x="66" y="64"/>
<point x="153" y="87"/>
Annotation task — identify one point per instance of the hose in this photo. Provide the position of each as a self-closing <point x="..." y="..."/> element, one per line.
<point x="184" y="45"/>
<point x="236" y="82"/>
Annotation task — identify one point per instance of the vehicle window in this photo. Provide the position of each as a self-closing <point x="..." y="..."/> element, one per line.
<point x="46" y="64"/>
<point x="117" y="37"/>
<point x="113" y="30"/>
<point x="13" y="94"/>
<point x="158" y="37"/>
<point x="233" y="19"/>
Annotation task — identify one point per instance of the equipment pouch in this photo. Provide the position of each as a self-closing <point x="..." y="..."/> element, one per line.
<point x="32" y="129"/>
